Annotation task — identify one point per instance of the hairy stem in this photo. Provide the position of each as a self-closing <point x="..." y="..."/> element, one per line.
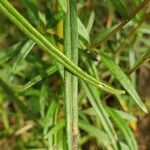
<point x="71" y="81"/>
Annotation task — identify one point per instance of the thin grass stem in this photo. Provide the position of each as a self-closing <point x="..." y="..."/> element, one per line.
<point x="71" y="81"/>
<point x="121" y="25"/>
<point x="7" y="9"/>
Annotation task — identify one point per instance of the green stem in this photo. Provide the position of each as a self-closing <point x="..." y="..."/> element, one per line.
<point x="7" y="9"/>
<point x="68" y="80"/>
<point x="121" y="25"/>
<point x="74" y="49"/>
<point x="71" y="81"/>
<point x="94" y="98"/>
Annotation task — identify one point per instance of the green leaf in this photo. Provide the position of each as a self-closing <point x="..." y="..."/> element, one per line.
<point x="63" y="4"/>
<point x="95" y="132"/>
<point x="50" y="114"/>
<point x="32" y="10"/>
<point x="9" y="53"/>
<point x="101" y="113"/>
<point x="83" y="32"/>
<point x="55" y="128"/>
<point x="31" y="32"/>
<point x="125" y="115"/>
<point x="140" y="60"/>
<point x="13" y="98"/>
<point x="121" y="8"/>
<point x="123" y="79"/>
<point x="55" y="19"/>
<point x="102" y="34"/>
<point x="122" y="114"/>
<point x="124" y="128"/>
<point x="38" y="78"/>
<point x="90" y="22"/>
<point x="124" y="146"/>
<point x="27" y="47"/>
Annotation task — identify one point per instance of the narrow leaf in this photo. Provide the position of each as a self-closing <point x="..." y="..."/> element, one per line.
<point x="121" y="8"/>
<point x="140" y="60"/>
<point x="55" y="128"/>
<point x="38" y="78"/>
<point x="49" y="118"/>
<point x="102" y="114"/>
<point x="31" y="10"/>
<point x="123" y="79"/>
<point x="95" y="132"/>
<point x="90" y="22"/>
<point x="125" y="115"/>
<point x="83" y="32"/>
<point x="27" y="47"/>
<point x="102" y="34"/>
<point x="13" y="98"/>
<point x="7" y="54"/>
<point x="31" y="32"/>
<point x="90" y="111"/>
<point x="124" y="128"/>
<point x="63" y="5"/>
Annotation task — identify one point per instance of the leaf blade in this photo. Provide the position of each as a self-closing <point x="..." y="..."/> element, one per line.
<point x="31" y="32"/>
<point x="25" y="50"/>
<point x="121" y="8"/>
<point x="123" y="79"/>
<point x="124" y="128"/>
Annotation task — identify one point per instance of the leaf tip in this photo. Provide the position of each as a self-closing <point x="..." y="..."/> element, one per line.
<point x="110" y="89"/>
<point x="144" y="108"/>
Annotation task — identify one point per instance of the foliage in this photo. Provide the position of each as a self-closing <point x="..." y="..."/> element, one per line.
<point x="68" y="73"/>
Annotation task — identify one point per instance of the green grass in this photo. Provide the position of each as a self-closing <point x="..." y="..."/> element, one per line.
<point x="81" y="96"/>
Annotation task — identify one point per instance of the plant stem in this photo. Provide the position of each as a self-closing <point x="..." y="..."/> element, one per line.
<point x="67" y="80"/>
<point x="7" y="9"/>
<point x="121" y="25"/>
<point x="71" y="81"/>
<point x="74" y="49"/>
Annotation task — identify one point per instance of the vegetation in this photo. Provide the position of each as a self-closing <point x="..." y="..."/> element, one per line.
<point x="68" y="73"/>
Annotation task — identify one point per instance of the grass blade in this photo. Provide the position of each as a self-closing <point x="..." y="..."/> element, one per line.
<point x="122" y="114"/>
<point x="38" y="78"/>
<point x="123" y="126"/>
<point x="31" y="32"/>
<point x="55" y="128"/>
<point x="123" y="79"/>
<point x="31" y="10"/>
<point x="90" y="22"/>
<point x="93" y="94"/>
<point x="9" y="53"/>
<point x="96" y="133"/>
<point x="140" y="60"/>
<point x="49" y="120"/>
<point x="102" y="114"/>
<point x="83" y="32"/>
<point x="12" y="97"/>
<point x="25" y="50"/>
<point x="121" y="8"/>
<point x="121" y="25"/>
